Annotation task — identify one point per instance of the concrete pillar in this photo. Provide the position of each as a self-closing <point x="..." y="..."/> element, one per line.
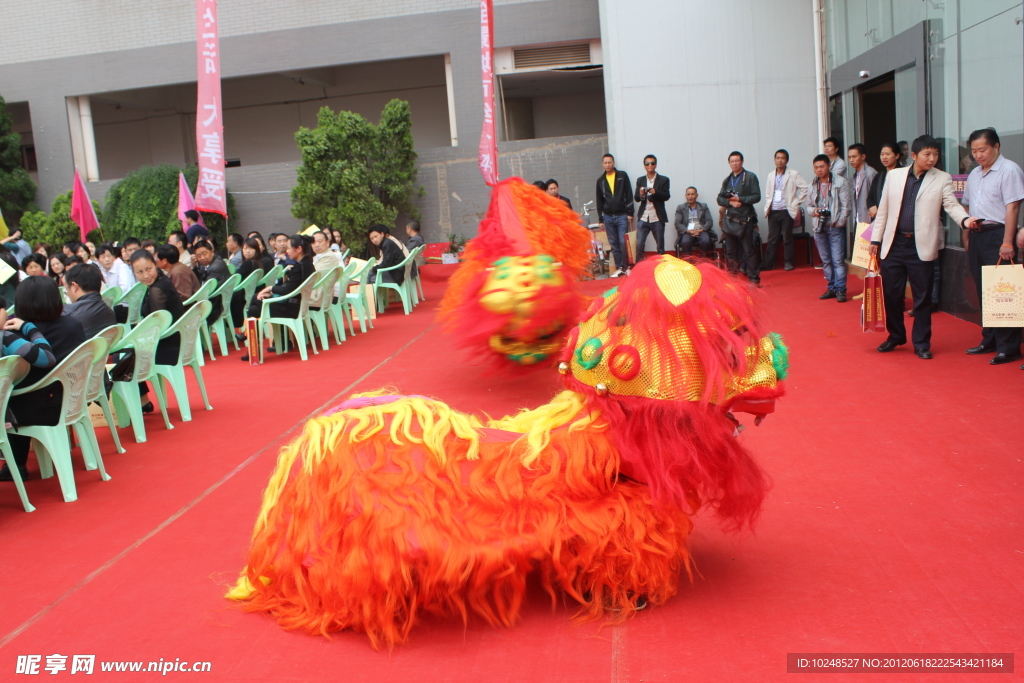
<point x="92" y="166"/>
<point x="451" y="99"/>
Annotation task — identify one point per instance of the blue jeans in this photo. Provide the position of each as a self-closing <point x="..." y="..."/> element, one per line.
<point x="615" y="227"/>
<point x="643" y="229"/>
<point x="832" y="250"/>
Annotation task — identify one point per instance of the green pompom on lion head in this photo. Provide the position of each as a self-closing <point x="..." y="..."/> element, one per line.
<point x="780" y="356"/>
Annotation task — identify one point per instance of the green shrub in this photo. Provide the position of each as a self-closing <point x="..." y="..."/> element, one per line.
<point x="57" y="228"/>
<point x="144" y="204"/>
<point x="17" y="191"/>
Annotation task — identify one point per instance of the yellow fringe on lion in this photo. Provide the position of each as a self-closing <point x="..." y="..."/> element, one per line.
<point x="391" y="507"/>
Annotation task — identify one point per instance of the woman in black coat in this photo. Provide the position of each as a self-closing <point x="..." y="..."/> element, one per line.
<point x="298" y="266"/>
<point x="38" y="301"/>
<point x="161" y="296"/>
<point x="890" y="157"/>
<point x="251" y="260"/>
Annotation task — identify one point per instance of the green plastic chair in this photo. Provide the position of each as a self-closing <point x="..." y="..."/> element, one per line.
<point x="97" y="388"/>
<point x="414" y="288"/>
<point x="417" y="281"/>
<point x="318" y="317"/>
<point x="297" y="325"/>
<point x="188" y="327"/>
<point x="204" y="293"/>
<point x="143" y="340"/>
<point x="12" y="370"/>
<point x="53" y="449"/>
<point x="338" y="311"/>
<point x="380" y="288"/>
<point x="232" y="268"/>
<point x="133" y="299"/>
<point x="272" y="275"/>
<point x="110" y="295"/>
<point x="357" y="300"/>
<point x="222" y="325"/>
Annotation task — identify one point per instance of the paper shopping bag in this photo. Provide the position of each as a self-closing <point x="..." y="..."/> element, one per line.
<point x="1002" y="295"/>
<point x="861" y="246"/>
<point x="631" y="247"/>
<point x="254" y="341"/>
<point x="872" y="308"/>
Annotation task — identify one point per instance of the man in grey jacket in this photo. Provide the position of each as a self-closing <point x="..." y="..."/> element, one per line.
<point x="694" y="226"/>
<point x="861" y="176"/>
<point x="828" y="201"/>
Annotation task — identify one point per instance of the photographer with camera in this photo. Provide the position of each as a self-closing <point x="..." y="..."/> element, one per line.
<point x="828" y="202"/>
<point x="740" y="191"/>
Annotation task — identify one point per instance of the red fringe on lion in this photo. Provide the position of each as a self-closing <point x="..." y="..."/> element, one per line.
<point x="391" y="507"/>
<point x="514" y="297"/>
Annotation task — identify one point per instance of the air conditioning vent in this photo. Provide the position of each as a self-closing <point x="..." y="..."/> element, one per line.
<point x="555" y="55"/>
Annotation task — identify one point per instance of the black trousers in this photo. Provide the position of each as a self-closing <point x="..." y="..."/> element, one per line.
<point x="751" y="259"/>
<point x="40" y="407"/>
<point x="686" y="243"/>
<point x="643" y="229"/>
<point x="902" y="264"/>
<point x="780" y="224"/>
<point x="983" y="250"/>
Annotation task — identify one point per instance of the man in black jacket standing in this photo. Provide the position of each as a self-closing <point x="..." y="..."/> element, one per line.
<point x="740" y="191"/>
<point x="614" y="208"/>
<point x="652" y="191"/>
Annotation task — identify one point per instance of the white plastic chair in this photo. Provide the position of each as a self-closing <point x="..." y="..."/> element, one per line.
<point x="97" y="381"/>
<point x="188" y="327"/>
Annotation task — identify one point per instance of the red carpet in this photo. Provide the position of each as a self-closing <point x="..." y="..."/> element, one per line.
<point x="892" y="526"/>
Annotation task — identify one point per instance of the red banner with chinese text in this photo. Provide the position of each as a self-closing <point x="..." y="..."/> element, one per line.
<point x="487" y="156"/>
<point x="211" y="191"/>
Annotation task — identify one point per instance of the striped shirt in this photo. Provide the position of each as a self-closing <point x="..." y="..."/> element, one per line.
<point x="30" y="344"/>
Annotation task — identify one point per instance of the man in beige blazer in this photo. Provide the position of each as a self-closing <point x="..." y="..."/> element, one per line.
<point x="908" y="232"/>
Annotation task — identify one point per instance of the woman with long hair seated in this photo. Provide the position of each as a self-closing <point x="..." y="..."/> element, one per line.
<point x="57" y="263"/>
<point x="161" y="296"/>
<point x="298" y="266"/>
<point x="251" y="260"/>
<point x="39" y="308"/>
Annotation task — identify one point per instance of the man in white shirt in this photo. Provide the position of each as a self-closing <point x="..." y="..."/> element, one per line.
<point x="323" y="257"/>
<point x="116" y="273"/>
<point x="789" y="190"/>
<point x="993" y="195"/>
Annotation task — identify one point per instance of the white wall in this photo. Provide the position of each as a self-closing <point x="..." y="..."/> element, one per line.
<point x="690" y="81"/>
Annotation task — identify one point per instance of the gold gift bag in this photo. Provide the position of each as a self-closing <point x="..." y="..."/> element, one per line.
<point x="1002" y="295"/>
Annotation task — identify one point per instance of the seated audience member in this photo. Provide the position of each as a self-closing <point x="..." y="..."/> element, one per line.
<point x="210" y="266"/>
<point x="298" y="266"/>
<point x="551" y="187"/>
<point x="150" y="246"/>
<point x="234" y="247"/>
<point x="196" y="230"/>
<point x="694" y="226"/>
<point x="17" y="245"/>
<point x="324" y="258"/>
<point x="70" y="248"/>
<point x="182" y="277"/>
<point x="82" y="285"/>
<point x="41" y="248"/>
<point x="57" y="262"/>
<point x="338" y="241"/>
<point x="412" y="229"/>
<point x="91" y="247"/>
<point x="38" y="302"/>
<point x="391" y="254"/>
<point x="116" y="273"/>
<point x="179" y="241"/>
<point x="86" y="256"/>
<point x="280" y="243"/>
<point x="251" y="254"/>
<point x="32" y="265"/>
<point x="161" y="295"/>
<point x="128" y="247"/>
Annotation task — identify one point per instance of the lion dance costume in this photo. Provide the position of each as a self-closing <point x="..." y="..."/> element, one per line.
<point x="514" y="297"/>
<point x="389" y="507"/>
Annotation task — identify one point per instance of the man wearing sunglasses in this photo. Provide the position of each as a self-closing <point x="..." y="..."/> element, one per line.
<point x="652" y="191"/>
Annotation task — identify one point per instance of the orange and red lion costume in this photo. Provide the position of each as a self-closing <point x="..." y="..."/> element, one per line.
<point x="390" y="507"/>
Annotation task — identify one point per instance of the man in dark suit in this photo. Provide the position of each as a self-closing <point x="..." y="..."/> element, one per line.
<point x="390" y="255"/>
<point x="209" y="266"/>
<point x="82" y="285"/>
<point x="652" y="191"/>
<point x="615" y="209"/>
<point x="694" y="226"/>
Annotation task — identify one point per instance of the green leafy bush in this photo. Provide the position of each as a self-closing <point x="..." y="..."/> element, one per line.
<point x="17" y="191"/>
<point x="144" y="204"/>
<point x="354" y="174"/>
<point x="58" y="227"/>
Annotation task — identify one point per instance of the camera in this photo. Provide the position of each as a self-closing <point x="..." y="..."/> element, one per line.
<point x="825" y="214"/>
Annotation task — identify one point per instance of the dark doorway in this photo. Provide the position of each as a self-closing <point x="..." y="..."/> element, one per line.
<point x="878" y="115"/>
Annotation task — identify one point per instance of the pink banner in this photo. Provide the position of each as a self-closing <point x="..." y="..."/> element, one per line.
<point x="487" y="157"/>
<point x="211" y="192"/>
<point x="82" y="212"/>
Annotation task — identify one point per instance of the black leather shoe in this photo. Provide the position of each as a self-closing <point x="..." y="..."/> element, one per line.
<point x="923" y="354"/>
<point x="829" y="294"/>
<point x="887" y="346"/>
<point x="841" y="297"/>
<point x="978" y="350"/>
<point x="1002" y="358"/>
